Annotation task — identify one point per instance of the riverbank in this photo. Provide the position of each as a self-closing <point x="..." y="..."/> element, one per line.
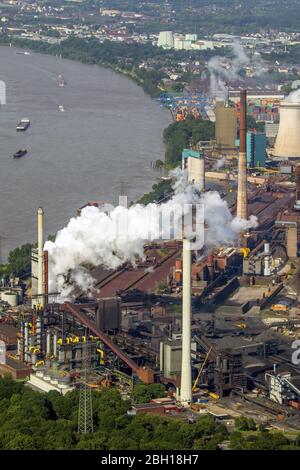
<point x="125" y="59"/>
<point x="108" y="55"/>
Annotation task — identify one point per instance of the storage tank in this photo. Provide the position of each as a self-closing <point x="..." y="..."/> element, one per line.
<point x="288" y="138"/>
<point x="10" y="297"/>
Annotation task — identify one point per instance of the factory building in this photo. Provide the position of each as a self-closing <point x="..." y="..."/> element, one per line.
<point x="256" y="149"/>
<point x="108" y="315"/>
<point x="15" y="368"/>
<point x="193" y="162"/>
<point x="283" y="388"/>
<point x="171" y="356"/>
<point x="226" y="128"/>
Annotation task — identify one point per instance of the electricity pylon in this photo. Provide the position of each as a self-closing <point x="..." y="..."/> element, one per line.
<point x="85" y="412"/>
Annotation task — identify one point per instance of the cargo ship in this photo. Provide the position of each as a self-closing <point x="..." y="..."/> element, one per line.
<point x="23" y="52"/>
<point x="23" y="124"/>
<point x="20" y="153"/>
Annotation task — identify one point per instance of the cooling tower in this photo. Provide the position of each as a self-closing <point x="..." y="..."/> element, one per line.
<point x="288" y="138"/>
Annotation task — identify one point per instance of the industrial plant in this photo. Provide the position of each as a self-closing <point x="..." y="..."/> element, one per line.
<point x="217" y="326"/>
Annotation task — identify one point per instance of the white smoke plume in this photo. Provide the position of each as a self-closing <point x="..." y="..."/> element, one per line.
<point x="293" y="97"/>
<point x="181" y="179"/>
<point x="221" y="227"/>
<point x="220" y="163"/>
<point x="219" y="75"/>
<point x="110" y="239"/>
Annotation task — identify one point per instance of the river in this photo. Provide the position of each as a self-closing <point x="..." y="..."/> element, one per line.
<point x="104" y="141"/>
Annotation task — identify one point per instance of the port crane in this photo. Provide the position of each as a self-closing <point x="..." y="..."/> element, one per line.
<point x="181" y="105"/>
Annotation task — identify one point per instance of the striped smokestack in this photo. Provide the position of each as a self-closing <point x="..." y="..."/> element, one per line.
<point x="242" y="209"/>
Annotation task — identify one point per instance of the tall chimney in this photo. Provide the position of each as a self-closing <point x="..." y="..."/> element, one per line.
<point x="41" y="286"/>
<point x="186" y="368"/>
<point x="287" y="143"/>
<point x="242" y="209"/>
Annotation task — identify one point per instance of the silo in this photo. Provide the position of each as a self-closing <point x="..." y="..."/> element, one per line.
<point x="288" y="138"/>
<point x="225" y="128"/>
<point x="194" y="162"/>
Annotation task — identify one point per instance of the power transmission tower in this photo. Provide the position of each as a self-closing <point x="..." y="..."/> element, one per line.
<point x="85" y="412"/>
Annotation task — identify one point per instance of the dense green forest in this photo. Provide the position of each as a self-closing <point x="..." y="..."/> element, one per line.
<point x="19" y="260"/>
<point x="180" y="135"/>
<point x="18" y="263"/>
<point x="30" y="420"/>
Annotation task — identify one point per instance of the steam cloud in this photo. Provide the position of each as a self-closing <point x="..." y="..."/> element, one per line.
<point x="97" y="238"/>
<point x="220" y="75"/>
<point x="220" y="163"/>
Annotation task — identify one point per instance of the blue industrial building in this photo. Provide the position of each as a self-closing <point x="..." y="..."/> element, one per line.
<point x="256" y="149"/>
